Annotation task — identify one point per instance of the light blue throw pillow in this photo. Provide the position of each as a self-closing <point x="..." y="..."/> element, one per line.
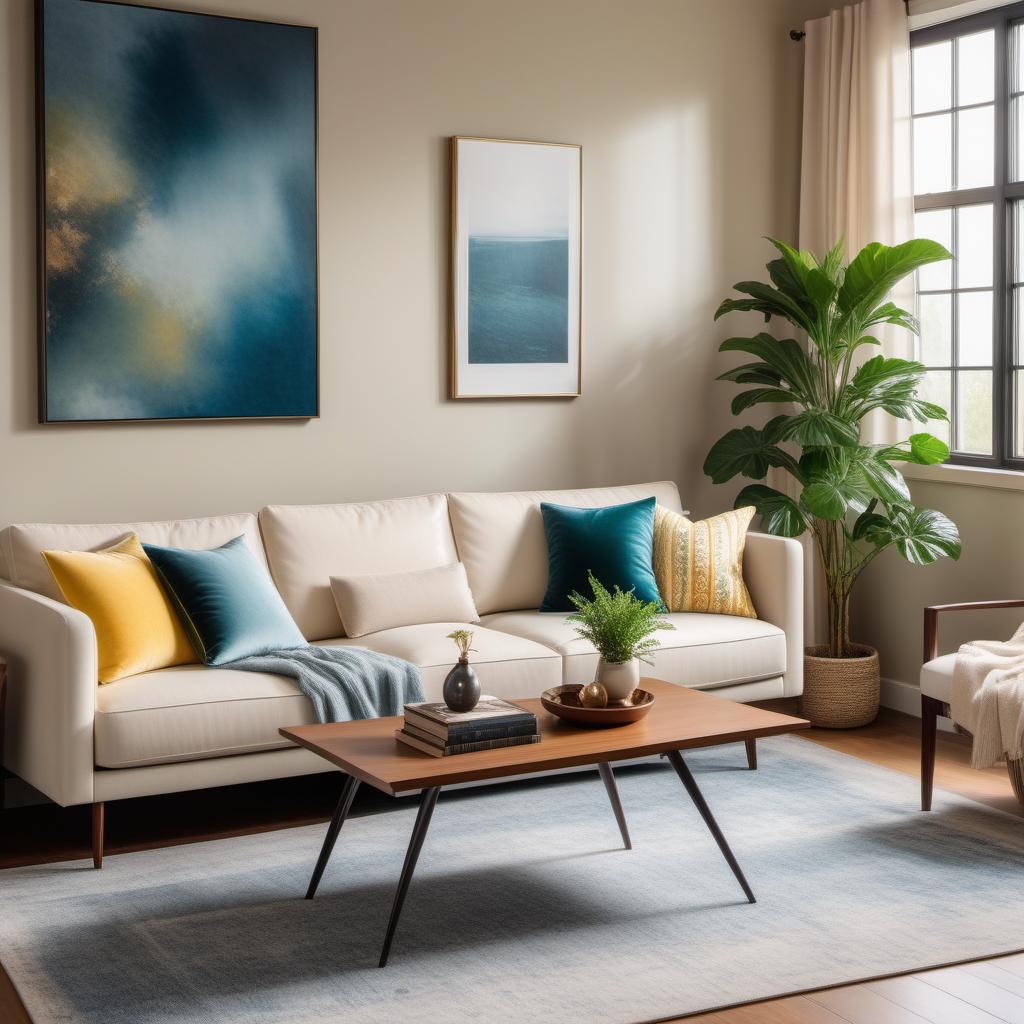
<point x="227" y="601"/>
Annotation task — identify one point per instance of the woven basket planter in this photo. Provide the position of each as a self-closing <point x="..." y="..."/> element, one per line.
<point x="841" y="693"/>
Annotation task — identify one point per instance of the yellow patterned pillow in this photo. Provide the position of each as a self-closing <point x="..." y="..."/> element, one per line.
<point x="136" y="627"/>
<point x="699" y="566"/>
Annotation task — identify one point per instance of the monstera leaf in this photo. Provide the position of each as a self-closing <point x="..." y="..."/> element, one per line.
<point x="877" y="269"/>
<point x="779" y="513"/>
<point x="921" y="449"/>
<point x="836" y="485"/>
<point x="785" y="357"/>
<point x="817" y="428"/>
<point x="747" y="451"/>
<point x="921" y="535"/>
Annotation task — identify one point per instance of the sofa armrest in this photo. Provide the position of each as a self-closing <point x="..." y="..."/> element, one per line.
<point x="773" y="568"/>
<point x="51" y="699"/>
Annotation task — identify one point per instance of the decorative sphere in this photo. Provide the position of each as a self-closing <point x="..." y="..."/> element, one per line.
<point x="593" y="695"/>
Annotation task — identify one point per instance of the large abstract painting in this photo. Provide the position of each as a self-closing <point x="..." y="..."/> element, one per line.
<point x="516" y="211"/>
<point x="178" y="215"/>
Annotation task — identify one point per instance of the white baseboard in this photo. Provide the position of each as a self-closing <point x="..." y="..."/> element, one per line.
<point x="906" y="697"/>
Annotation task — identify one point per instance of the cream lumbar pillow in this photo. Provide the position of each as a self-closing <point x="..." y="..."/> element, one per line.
<point x="699" y="566"/>
<point x="368" y="604"/>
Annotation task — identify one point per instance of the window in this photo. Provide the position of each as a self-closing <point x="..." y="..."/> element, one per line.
<point x="968" y="127"/>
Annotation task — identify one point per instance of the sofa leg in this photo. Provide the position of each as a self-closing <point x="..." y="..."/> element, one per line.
<point x="751" y="754"/>
<point x="97" y="834"/>
<point x="930" y="711"/>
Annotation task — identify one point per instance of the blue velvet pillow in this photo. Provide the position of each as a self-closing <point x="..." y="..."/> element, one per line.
<point x="615" y="543"/>
<point x="226" y="600"/>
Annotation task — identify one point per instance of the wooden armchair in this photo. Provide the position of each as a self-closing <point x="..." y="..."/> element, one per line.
<point x="937" y="689"/>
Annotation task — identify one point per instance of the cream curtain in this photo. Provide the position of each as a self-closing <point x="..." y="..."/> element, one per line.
<point x="855" y="170"/>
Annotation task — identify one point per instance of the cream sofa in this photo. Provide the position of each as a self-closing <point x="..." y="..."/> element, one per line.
<point x="192" y="727"/>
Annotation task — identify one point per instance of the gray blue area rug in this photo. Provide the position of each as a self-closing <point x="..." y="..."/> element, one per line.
<point x="525" y="908"/>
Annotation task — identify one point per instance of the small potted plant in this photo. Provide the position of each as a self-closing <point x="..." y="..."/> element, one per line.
<point x="620" y="626"/>
<point x="461" y="690"/>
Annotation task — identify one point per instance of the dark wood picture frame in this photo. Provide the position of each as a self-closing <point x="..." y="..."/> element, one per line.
<point x="41" y="269"/>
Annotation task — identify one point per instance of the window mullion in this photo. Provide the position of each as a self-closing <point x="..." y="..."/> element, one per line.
<point x="1002" y="239"/>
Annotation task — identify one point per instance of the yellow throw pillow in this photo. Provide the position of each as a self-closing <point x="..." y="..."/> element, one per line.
<point x="699" y="566"/>
<point x="136" y="627"/>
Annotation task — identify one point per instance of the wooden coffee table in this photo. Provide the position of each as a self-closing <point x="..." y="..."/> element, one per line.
<point x="681" y="719"/>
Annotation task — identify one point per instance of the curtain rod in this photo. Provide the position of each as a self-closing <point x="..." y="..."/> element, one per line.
<point x="796" y="34"/>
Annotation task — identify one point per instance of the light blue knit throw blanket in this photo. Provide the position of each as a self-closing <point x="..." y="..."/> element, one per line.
<point x="343" y="683"/>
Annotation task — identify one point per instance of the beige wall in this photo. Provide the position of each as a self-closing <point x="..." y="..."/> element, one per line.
<point x="892" y="594"/>
<point x="688" y="112"/>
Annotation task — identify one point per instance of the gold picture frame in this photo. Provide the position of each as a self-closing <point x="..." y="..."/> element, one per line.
<point x="516" y="236"/>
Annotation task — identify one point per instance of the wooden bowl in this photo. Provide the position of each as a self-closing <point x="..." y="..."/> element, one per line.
<point x="562" y="701"/>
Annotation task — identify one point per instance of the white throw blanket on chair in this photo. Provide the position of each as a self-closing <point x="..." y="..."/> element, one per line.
<point x="988" y="698"/>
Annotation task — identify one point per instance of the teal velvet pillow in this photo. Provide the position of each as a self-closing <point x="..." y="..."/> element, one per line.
<point x="226" y="600"/>
<point x="616" y="543"/>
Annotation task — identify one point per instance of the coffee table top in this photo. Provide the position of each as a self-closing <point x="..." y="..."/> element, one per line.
<point x="680" y="719"/>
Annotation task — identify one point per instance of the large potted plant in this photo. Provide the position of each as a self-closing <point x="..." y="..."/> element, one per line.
<point x="849" y="494"/>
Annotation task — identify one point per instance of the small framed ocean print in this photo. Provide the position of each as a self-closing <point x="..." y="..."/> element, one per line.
<point x="516" y="269"/>
<point x="177" y="215"/>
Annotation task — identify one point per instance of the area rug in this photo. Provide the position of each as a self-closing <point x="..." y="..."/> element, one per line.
<point x="526" y="908"/>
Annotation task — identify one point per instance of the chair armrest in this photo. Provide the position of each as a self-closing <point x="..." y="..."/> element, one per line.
<point x="931" y="619"/>
<point x="773" y="568"/>
<point x="51" y="693"/>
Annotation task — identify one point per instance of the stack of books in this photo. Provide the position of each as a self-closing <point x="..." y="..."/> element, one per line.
<point x="437" y="730"/>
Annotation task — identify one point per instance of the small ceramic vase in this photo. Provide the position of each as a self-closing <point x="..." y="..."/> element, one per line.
<point x="619" y="678"/>
<point x="461" y="687"/>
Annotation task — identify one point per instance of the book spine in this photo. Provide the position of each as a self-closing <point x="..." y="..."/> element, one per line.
<point x="417" y="744"/>
<point x="510" y="741"/>
<point x="460" y="729"/>
<point x="489" y="733"/>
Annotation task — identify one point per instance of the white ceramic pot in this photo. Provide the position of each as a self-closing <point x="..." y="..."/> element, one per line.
<point x="619" y="678"/>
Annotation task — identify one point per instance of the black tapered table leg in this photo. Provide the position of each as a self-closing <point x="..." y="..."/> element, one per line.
<point x="687" y="779"/>
<point x="348" y="793"/>
<point x="419" y="833"/>
<point x="608" y="778"/>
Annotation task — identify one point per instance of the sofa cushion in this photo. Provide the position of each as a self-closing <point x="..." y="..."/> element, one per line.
<point x="704" y="651"/>
<point x="507" y="666"/>
<point x="937" y="677"/>
<point x="371" y="602"/>
<point x="192" y="712"/>
<point x="500" y="537"/>
<point x="24" y="543"/>
<point x="308" y="544"/>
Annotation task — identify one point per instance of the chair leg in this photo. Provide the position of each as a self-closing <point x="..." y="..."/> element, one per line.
<point x="751" y="754"/>
<point x="930" y="711"/>
<point x="97" y="834"/>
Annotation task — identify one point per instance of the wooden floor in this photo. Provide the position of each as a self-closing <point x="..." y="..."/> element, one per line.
<point x="987" y="992"/>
